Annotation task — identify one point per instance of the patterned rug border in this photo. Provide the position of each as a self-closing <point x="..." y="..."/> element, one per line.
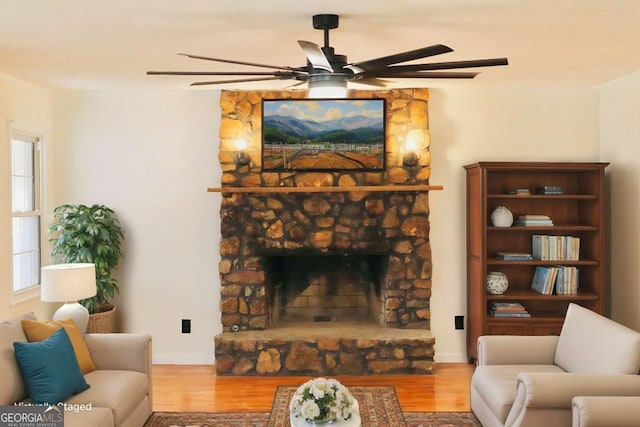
<point x="208" y="419"/>
<point x="261" y="419"/>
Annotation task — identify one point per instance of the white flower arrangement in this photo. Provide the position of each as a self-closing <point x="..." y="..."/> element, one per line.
<point x="322" y="399"/>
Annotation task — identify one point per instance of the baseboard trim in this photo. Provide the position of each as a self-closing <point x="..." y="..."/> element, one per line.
<point x="183" y="359"/>
<point x="450" y="358"/>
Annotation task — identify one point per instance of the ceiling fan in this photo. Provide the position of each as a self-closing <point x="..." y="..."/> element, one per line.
<point x="325" y="68"/>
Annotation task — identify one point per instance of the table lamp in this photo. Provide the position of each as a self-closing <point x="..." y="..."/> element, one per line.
<point x="69" y="283"/>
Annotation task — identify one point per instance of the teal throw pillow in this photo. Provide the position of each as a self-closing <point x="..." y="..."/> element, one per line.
<point x="50" y="369"/>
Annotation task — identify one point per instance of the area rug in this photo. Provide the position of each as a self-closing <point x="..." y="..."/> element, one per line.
<point x="441" y="419"/>
<point x="379" y="407"/>
<point x="261" y="419"/>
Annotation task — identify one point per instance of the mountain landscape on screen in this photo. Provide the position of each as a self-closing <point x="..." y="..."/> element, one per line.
<point x="347" y="129"/>
<point x="302" y="142"/>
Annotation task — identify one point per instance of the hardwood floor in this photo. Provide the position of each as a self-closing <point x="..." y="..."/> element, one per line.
<point x="197" y="389"/>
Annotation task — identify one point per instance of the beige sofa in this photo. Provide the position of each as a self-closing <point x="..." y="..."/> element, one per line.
<point x="120" y="387"/>
<point x="606" y="411"/>
<point x="527" y="381"/>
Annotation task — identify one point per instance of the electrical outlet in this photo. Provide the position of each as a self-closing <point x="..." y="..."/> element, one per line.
<point x="186" y="326"/>
<point x="459" y="321"/>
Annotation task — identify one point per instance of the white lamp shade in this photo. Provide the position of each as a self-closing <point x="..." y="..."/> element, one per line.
<point x="68" y="282"/>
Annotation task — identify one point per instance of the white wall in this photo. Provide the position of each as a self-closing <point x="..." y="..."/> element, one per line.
<point x="473" y="123"/>
<point x="619" y="142"/>
<point x="28" y="108"/>
<point x="151" y="157"/>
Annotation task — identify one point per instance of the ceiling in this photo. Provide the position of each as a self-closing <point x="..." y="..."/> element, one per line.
<point x="110" y="44"/>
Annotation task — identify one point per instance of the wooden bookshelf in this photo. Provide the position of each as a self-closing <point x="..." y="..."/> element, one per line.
<point x="579" y="211"/>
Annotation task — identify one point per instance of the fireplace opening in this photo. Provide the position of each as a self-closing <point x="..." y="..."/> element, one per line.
<point x="326" y="287"/>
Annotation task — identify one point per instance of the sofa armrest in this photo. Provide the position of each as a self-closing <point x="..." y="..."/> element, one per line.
<point x="605" y="411"/>
<point x="556" y="390"/>
<point x="516" y="350"/>
<point x="129" y="352"/>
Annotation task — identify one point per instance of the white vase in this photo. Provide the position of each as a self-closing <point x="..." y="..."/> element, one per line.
<point x="501" y="217"/>
<point x="497" y="283"/>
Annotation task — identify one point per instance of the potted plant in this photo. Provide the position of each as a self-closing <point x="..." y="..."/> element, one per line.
<point x="90" y="234"/>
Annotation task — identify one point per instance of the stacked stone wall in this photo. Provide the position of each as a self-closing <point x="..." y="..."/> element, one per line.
<point x="254" y="224"/>
<point x="326" y="356"/>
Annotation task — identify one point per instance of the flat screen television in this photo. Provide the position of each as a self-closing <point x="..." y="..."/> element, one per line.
<point x="323" y="134"/>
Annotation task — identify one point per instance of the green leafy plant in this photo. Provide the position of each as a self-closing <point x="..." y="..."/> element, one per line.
<point x="91" y="234"/>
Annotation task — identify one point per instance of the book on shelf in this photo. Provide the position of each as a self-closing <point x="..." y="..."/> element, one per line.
<point x="507" y="309"/>
<point x="558" y="279"/>
<point x="561" y="279"/>
<point x="534" y="217"/>
<point x="498" y="314"/>
<point x="533" y="222"/>
<point x="520" y="191"/>
<point x="554" y="248"/>
<point x="539" y="246"/>
<point x="566" y="280"/>
<point x="544" y="279"/>
<point x="540" y="277"/>
<point x="514" y="256"/>
<point x="549" y="189"/>
<point x="499" y="306"/>
<point x="551" y="281"/>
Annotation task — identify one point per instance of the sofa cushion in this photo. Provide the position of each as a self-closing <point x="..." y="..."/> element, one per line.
<point x="122" y="391"/>
<point x="50" y="369"/>
<point x="496" y="384"/>
<point x="38" y="331"/>
<point x="603" y="345"/>
<point x="96" y="417"/>
<point x="12" y="387"/>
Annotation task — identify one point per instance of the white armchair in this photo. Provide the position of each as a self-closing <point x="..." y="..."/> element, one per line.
<point x="531" y="381"/>
<point x="606" y="411"/>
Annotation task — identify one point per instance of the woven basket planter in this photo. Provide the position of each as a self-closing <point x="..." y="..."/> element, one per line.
<point x="101" y="323"/>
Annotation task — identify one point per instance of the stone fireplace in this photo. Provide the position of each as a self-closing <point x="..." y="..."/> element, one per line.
<point x="325" y="282"/>
<point x="326" y="288"/>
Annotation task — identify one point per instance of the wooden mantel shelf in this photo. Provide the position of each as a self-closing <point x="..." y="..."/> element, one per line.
<point x="365" y="188"/>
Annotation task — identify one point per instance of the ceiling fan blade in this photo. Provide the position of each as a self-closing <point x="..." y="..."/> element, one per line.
<point x="230" y="61"/>
<point x="372" y="82"/>
<point x="315" y="55"/>
<point x="235" y="81"/>
<point x="374" y="64"/>
<point x="449" y="65"/>
<point x="426" y="75"/>
<point x="298" y="83"/>
<point x="209" y="73"/>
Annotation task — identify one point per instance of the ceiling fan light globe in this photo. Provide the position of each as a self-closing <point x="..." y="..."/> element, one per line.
<point x="327" y="87"/>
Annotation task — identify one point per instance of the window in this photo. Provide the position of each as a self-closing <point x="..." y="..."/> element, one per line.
<point x="25" y="202"/>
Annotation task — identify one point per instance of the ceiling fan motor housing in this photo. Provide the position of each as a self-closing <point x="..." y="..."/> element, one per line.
<point x="325" y="21"/>
<point x="337" y="61"/>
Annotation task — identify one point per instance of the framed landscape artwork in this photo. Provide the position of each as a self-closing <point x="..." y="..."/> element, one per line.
<point x="323" y="134"/>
